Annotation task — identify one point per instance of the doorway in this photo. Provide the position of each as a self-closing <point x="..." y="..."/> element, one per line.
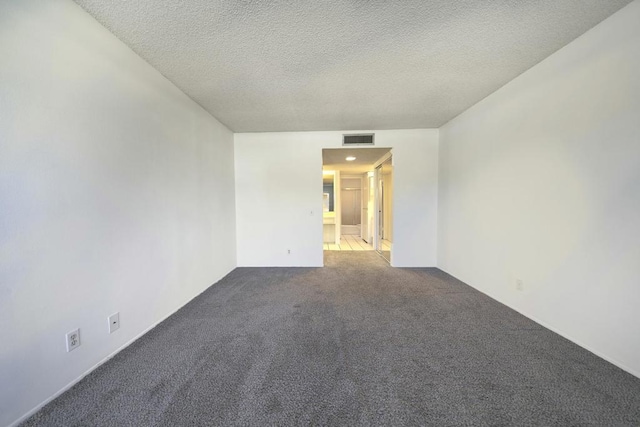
<point x="349" y="217"/>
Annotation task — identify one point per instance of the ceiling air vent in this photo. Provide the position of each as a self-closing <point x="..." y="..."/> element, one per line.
<point x="359" y="139"/>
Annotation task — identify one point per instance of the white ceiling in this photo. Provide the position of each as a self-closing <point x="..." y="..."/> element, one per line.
<point x="366" y="157"/>
<point x="344" y="65"/>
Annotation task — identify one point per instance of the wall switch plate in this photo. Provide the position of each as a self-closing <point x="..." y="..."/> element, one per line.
<point x="519" y="285"/>
<point x="114" y="322"/>
<point x="73" y="340"/>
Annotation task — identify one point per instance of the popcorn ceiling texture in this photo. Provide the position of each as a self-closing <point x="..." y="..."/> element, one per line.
<point x="318" y="65"/>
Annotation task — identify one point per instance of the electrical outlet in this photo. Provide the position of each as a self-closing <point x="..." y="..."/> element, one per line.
<point x="519" y="285"/>
<point x="73" y="340"/>
<point x="114" y="322"/>
<point x="288" y="251"/>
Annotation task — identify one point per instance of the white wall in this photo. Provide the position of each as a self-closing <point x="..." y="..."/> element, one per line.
<point x="541" y="182"/>
<point x="279" y="185"/>
<point x="116" y="194"/>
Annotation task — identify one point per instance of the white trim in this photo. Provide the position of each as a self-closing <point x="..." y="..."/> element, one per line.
<point x="384" y="158"/>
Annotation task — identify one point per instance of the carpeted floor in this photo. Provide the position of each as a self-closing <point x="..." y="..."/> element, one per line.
<point x="354" y="343"/>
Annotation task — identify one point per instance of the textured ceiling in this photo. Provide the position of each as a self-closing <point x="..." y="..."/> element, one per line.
<point x="344" y="65"/>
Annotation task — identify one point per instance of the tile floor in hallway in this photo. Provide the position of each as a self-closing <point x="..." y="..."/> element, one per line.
<point x="353" y="243"/>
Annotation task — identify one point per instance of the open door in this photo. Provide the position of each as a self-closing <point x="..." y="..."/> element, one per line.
<point x="364" y="219"/>
<point x="384" y="181"/>
<point x="368" y="208"/>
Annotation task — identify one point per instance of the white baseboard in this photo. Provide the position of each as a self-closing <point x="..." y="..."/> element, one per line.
<point x="563" y="334"/>
<point x="26" y="416"/>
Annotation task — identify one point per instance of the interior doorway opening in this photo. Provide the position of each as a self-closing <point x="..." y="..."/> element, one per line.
<point x="350" y="200"/>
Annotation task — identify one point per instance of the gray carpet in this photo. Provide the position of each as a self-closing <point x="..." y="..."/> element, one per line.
<point x="354" y="343"/>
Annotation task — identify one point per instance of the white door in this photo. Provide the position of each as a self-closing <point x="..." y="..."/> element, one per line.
<point x="384" y="239"/>
<point x="364" y="219"/>
<point x="372" y="208"/>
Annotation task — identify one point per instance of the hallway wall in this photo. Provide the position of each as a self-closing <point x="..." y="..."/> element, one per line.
<point x="540" y="182"/>
<point x="116" y="194"/>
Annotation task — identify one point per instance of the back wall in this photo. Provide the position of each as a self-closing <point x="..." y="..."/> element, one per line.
<point x="279" y="196"/>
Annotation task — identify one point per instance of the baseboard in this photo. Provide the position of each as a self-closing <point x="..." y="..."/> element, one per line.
<point x="110" y="356"/>
<point x="575" y="341"/>
<point x="555" y="330"/>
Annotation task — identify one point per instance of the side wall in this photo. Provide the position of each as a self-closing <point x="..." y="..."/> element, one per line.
<point x="116" y="194"/>
<point x="279" y="196"/>
<point x="540" y="182"/>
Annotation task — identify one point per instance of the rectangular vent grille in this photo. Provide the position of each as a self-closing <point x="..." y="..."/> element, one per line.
<point x="360" y="139"/>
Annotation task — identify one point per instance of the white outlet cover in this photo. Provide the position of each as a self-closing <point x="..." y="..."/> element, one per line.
<point x="114" y="322"/>
<point x="73" y="340"/>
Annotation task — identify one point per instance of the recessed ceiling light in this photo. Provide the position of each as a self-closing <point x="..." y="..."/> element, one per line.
<point x="350" y="159"/>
